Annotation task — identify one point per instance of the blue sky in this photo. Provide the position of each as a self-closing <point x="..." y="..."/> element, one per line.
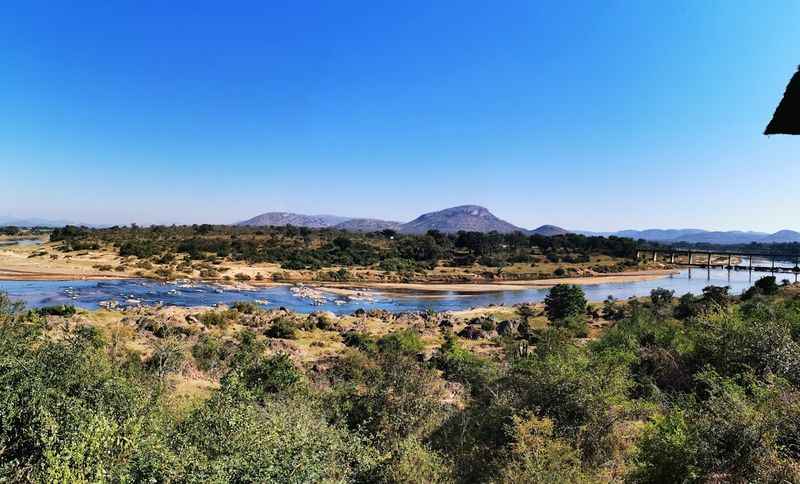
<point x="588" y="115"/>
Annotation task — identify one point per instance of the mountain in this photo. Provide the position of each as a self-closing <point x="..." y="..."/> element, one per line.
<point x="698" y="236"/>
<point x="724" y="238"/>
<point x="655" y="235"/>
<point x="470" y="218"/>
<point x="549" y="231"/>
<point x="658" y="234"/>
<point x="36" y="222"/>
<point x="782" y="237"/>
<point x="367" y="225"/>
<point x="296" y="219"/>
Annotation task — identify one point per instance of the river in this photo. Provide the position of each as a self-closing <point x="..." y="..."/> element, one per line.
<point x="90" y="294"/>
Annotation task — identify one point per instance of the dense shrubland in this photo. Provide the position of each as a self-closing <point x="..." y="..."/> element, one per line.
<point x="690" y="389"/>
<point x="296" y="248"/>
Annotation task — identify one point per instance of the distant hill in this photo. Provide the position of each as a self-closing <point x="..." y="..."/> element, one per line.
<point x="782" y="237"/>
<point x="367" y="225"/>
<point x="658" y="234"/>
<point x="549" y="231"/>
<point x="36" y="222"/>
<point x="725" y="238"/>
<point x="655" y="235"/>
<point x="698" y="236"/>
<point x="470" y="218"/>
<point x="296" y="219"/>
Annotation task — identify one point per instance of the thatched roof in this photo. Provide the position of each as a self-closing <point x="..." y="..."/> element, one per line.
<point x="786" y="119"/>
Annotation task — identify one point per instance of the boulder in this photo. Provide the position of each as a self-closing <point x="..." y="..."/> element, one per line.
<point x="471" y="332"/>
<point x="507" y="327"/>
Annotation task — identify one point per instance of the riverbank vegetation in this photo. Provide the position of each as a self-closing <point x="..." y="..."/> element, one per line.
<point x="292" y="253"/>
<point x="659" y="389"/>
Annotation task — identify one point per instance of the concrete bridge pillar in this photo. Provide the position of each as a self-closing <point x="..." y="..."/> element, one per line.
<point x="690" y="257"/>
<point x="750" y="263"/>
<point x="672" y="257"/>
<point x="708" y="262"/>
<point x="730" y="259"/>
<point x="655" y="256"/>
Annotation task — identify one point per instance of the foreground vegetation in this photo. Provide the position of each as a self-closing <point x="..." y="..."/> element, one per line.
<point x="694" y="389"/>
<point x="286" y="253"/>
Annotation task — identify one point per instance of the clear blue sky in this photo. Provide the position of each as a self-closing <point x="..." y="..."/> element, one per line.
<point x="589" y="115"/>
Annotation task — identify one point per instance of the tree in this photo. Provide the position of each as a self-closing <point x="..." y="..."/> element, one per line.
<point x="563" y="301"/>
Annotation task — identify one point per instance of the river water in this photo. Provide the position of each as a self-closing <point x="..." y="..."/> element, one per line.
<point x="90" y="294"/>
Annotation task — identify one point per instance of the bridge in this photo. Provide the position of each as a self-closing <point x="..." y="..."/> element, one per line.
<point x="729" y="260"/>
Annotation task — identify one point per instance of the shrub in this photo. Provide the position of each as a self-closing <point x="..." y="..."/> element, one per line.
<point x="688" y="306"/>
<point x="575" y="325"/>
<point x="282" y="329"/>
<point x="405" y="341"/>
<point x="208" y="352"/>
<point x="209" y="273"/>
<point x="165" y="273"/>
<point x="233" y="439"/>
<point x="538" y="456"/>
<point x="166" y="358"/>
<point x="462" y="365"/>
<point x="213" y="318"/>
<point x="661" y="297"/>
<point x="716" y="297"/>
<point x="62" y="310"/>
<point x="767" y="285"/>
<point x="246" y="307"/>
<point x="414" y="462"/>
<point x="270" y="375"/>
<point x="362" y="341"/>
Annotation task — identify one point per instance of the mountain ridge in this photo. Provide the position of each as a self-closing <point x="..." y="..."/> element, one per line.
<point x="296" y="219"/>
<point x="480" y="219"/>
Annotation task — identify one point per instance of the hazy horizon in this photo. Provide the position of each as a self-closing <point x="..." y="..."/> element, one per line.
<point x="232" y="222"/>
<point x="651" y="117"/>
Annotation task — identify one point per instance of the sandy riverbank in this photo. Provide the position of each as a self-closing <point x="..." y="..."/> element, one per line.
<point x="43" y="262"/>
<point x="399" y="289"/>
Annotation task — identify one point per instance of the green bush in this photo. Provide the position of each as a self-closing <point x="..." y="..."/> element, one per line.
<point x="233" y="439"/>
<point x="767" y="285"/>
<point x="246" y="307"/>
<point x="361" y="341"/>
<point x="661" y="297"/>
<point x="574" y="325"/>
<point x="270" y="375"/>
<point x="63" y="310"/>
<point x="463" y="366"/>
<point x="283" y="329"/>
<point x="537" y="455"/>
<point x="209" y="352"/>
<point x="214" y="318"/>
<point x="406" y="341"/>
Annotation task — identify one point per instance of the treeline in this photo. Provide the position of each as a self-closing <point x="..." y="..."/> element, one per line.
<point x="303" y="248"/>
<point x="701" y="389"/>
